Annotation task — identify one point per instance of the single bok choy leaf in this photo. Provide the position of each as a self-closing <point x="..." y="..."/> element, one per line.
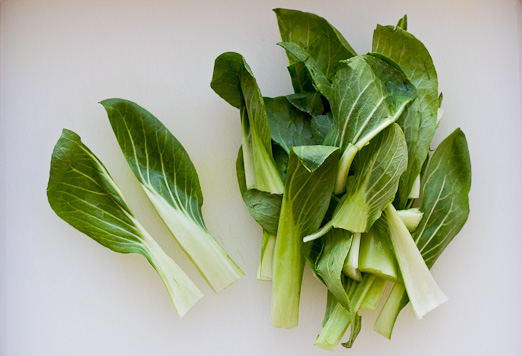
<point x="308" y="190"/>
<point x="82" y="192"/>
<point x="445" y="205"/>
<point x="168" y="177"/>
<point x="318" y="37"/>
<point x="419" y="120"/>
<point x="234" y="81"/>
<point x="378" y="168"/>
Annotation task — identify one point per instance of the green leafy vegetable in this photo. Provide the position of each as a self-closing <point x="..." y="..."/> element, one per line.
<point x="373" y="186"/>
<point x="82" y="192"/>
<point x="233" y="81"/>
<point x="380" y="110"/>
<point x="308" y="189"/>
<point x="264" y="207"/>
<point x="419" y="121"/>
<point x="445" y="205"/>
<point x="289" y="126"/>
<point x="315" y="35"/>
<point x="170" y="180"/>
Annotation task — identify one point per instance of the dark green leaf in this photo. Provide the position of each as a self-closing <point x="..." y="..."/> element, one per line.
<point x="309" y="102"/>
<point x="170" y="180"/>
<point x="316" y="36"/>
<point x="82" y="193"/>
<point x="445" y="201"/>
<point x="419" y="121"/>
<point x="289" y="126"/>
<point x="233" y="81"/>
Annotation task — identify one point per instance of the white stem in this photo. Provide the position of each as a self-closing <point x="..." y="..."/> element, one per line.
<point x="344" y="168"/>
<point x="423" y="291"/>
<point x="182" y="291"/>
<point x="351" y="265"/>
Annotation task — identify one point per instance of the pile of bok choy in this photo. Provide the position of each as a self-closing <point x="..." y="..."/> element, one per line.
<point x="82" y="192"/>
<point x="339" y="173"/>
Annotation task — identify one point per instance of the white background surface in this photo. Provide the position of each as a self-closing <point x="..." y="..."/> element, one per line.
<point x="63" y="294"/>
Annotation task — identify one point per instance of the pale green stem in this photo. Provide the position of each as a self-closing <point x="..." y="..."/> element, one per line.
<point x="344" y="168"/>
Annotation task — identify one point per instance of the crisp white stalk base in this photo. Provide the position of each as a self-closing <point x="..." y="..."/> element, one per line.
<point x="411" y="218"/>
<point x="265" y="271"/>
<point x="415" y="189"/>
<point x="182" y="291"/>
<point x="351" y="265"/>
<point x="423" y="291"/>
<point x="288" y="274"/>
<point x="344" y="167"/>
<point x="216" y="266"/>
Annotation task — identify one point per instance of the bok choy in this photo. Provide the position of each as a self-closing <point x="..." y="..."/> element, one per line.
<point x="382" y="212"/>
<point x="170" y="180"/>
<point x="82" y="192"/>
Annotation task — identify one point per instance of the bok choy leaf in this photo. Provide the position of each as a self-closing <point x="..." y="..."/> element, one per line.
<point x="234" y="81"/>
<point x="308" y="189"/>
<point x="445" y="205"/>
<point x="168" y="177"/>
<point x="264" y="207"/>
<point x="419" y="120"/>
<point x="82" y="192"/>
<point x="316" y="36"/>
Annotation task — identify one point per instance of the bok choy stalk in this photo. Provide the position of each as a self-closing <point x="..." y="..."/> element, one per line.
<point x="82" y="192"/>
<point x="424" y="293"/>
<point x="308" y="189"/>
<point x="168" y="177"/>
<point x="445" y="205"/>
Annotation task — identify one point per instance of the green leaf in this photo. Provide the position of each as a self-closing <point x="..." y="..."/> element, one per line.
<point x="445" y="205"/>
<point x="329" y="266"/>
<point x="373" y="186"/>
<point x="445" y="201"/>
<point x="264" y="207"/>
<point x="233" y="81"/>
<point x="366" y="96"/>
<point x="321" y="124"/>
<point x="308" y="189"/>
<point x="419" y="121"/>
<point x="338" y="318"/>
<point x="316" y="36"/>
<point x="82" y="193"/>
<point x="314" y="73"/>
<point x="168" y="177"/>
<point x="310" y="103"/>
<point x="289" y="126"/>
